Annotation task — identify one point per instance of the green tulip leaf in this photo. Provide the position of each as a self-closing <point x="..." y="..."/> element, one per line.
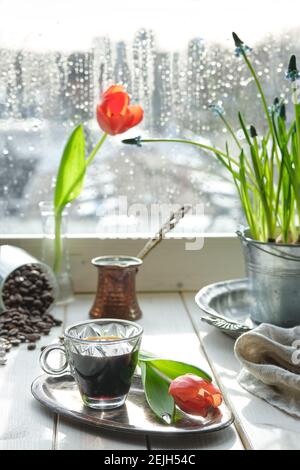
<point x="156" y="391"/>
<point x="71" y="170"/>
<point x="173" y="369"/>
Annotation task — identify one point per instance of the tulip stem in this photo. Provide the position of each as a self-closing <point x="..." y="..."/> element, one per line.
<point x="57" y="243"/>
<point x="217" y="152"/>
<point x="197" y="144"/>
<point x="95" y="149"/>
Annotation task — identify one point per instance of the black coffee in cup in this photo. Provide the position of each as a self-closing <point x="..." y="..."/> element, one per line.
<point x="103" y="377"/>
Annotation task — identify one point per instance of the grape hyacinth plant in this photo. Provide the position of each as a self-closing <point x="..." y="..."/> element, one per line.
<point x="264" y="168"/>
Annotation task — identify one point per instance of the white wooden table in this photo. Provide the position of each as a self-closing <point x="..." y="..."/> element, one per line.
<point x="173" y="327"/>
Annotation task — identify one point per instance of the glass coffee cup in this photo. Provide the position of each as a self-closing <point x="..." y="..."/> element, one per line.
<point x="102" y="356"/>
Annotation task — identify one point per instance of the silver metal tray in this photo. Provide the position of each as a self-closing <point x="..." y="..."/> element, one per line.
<point x="61" y="395"/>
<point x="227" y="306"/>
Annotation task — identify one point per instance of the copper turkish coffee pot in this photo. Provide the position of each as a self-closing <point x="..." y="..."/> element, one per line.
<point x="116" y="294"/>
<point x="116" y="291"/>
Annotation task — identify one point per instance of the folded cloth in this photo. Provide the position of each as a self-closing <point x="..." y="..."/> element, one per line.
<point x="270" y="359"/>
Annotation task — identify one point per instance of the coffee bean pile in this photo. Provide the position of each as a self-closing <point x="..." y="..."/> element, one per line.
<point x="27" y="295"/>
<point x="28" y="290"/>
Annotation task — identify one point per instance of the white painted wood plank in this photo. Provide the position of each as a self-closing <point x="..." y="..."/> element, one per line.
<point x="24" y="423"/>
<point x="72" y="435"/>
<point x="226" y="439"/>
<point x="264" y="426"/>
<point x="168" y="332"/>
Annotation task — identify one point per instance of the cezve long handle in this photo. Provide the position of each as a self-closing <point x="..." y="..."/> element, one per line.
<point x="167" y="227"/>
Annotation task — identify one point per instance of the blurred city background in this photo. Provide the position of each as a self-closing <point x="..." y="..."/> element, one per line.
<point x="45" y="92"/>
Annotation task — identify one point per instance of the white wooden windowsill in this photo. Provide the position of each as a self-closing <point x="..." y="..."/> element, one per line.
<point x="170" y="267"/>
<point x="173" y="329"/>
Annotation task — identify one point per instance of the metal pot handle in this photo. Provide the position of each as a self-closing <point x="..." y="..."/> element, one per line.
<point x="285" y="256"/>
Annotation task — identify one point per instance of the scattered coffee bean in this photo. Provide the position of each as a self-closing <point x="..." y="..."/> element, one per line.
<point x="33" y="337"/>
<point x="31" y="346"/>
<point x="18" y="298"/>
<point x="22" y="327"/>
<point x="13" y="332"/>
<point x="28" y="329"/>
<point x="36" y="312"/>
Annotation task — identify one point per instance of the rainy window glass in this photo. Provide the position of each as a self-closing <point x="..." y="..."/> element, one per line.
<point x="175" y="59"/>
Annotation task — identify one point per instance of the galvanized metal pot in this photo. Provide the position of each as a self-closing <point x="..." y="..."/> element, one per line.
<point x="274" y="276"/>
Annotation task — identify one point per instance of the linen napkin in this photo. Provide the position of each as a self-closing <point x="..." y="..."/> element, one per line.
<point x="270" y="360"/>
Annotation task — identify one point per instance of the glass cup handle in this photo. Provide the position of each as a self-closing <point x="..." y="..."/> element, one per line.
<point x="44" y="358"/>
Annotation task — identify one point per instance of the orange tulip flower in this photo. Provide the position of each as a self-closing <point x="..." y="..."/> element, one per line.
<point x="114" y="113"/>
<point x="195" y="395"/>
